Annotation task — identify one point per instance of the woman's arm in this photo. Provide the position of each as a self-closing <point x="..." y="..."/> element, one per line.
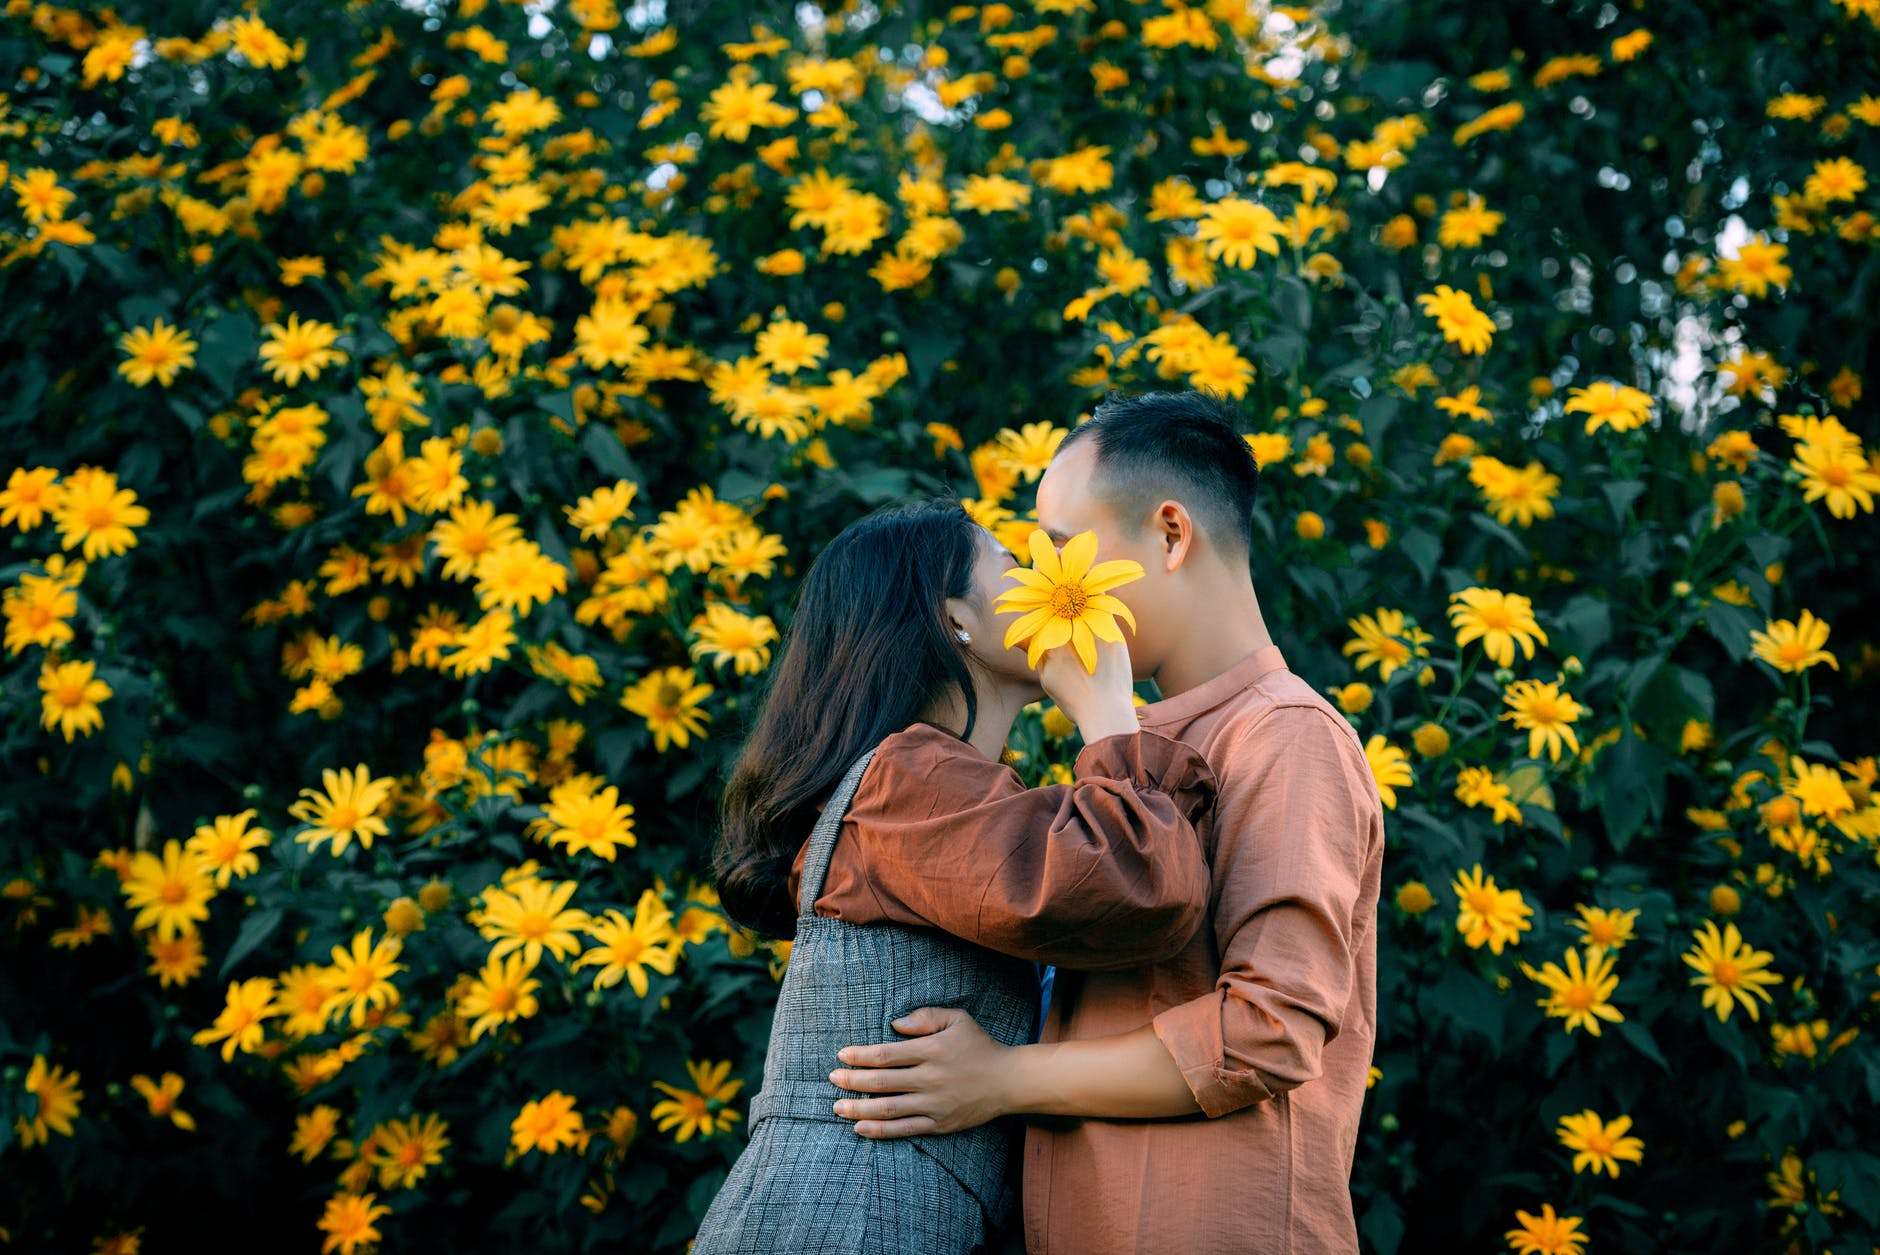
<point x="1106" y="872"/>
<point x="950" y="1076"/>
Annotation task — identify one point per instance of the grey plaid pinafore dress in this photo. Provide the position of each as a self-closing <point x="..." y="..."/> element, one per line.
<point x="807" y="1184"/>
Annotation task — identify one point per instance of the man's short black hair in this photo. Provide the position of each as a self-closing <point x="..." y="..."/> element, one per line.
<point x="1182" y="446"/>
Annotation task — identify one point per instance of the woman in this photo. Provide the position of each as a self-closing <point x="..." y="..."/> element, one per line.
<point x="876" y="761"/>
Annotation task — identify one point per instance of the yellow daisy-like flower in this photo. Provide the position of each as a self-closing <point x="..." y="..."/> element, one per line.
<point x="241" y="1023"/>
<point x="1029" y="450"/>
<point x="669" y="701"/>
<point x="703" y="1111"/>
<point x="1841" y="475"/>
<point x="1608" y="404"/>
<point x="299" y="349"/>
<point x="1390" y="767"/>
<point x="92" y="511"/>
<point x="1545" y="713"/>
<point x="227" y="845"/>
<point x="348" y="809"/>
<point x="1603" y="929"/>
<point x="1461" y="323"/>
<point x="1729" y="970"/>
<point x="69" y="698"/>
<point x="727" y="635"/>
<point x="161" y="1095"/>
<point x="1793" y="647"/>
<point x="1064" y="599"/>
<point x="1514" y="495"/>
<point x="1487" y="915"/>
<point x="360" y="978"/>
<point x="1580" y="993"/>
<point x="628" y="947"/>
<point x="407" y="1149"/>
<point x="1237" y="231"/>
<point x="1501" y="621"/>
<point x="548" y="1124"/>
<point x="1385" y="639"/>
<point x="58" y="1094"/>
<point x="1598" y="1145"/>
<point x="348" y="1223"/>
<point x="156" y="352"/>
<point x="1546" y="1234"/>
<point x="531" y="916"/>
<point x="584" y="820"/>
<point x="503" y="992"/>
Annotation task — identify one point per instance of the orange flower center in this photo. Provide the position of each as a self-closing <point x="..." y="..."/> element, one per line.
<point x="1069" y="601"/>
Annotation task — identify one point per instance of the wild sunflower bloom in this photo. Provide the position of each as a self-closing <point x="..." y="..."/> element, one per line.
<point x="1064" y="599"/>
<point x="503" y="992"/>
<point x="1793" y="647"/>
<point x="299" y="349"/>
<point x="669" y="700"/>
<point x="69" y="698"/>
<point x="531" y="916"/>
<point x="1598" y="1145"/>
<point x="1602" y="929"/>
<point x="361" y="976"/>
<point x="407" y="1149"/>
<point x="1608" y="404"/>
<point x="156" y="352"/>
<point x="241" y="1023"/>
<point x="1546" y="1234"/>
<point x="169" y="893"/>
<point x="787" y="346"/>
<point x="29" y="493"/>
<point x="1501" y="621"/>
<point x="547" y="1124"/>
<point x="348" y="1223"/>
<point x="1729" y="970"/>
<point x="587" y="821"/>
<point x="1546" y="714"/>
<point x="1514" y="495"/>
<point x="1390" y="767"/>
<point x="703" y="1111"/>
<point x="628" y="947"/>
<point x="94" y="512"/>
<point x="1842" y="476"/>
<point x="349" y="808"/>
<point x="1029" y="450"/>
<point x="1385" y="639"/>
<point x="1487" y="915"/>
<point x="1461" y="323"/>
<point x="1468" y="224"/>
<point x="58" y="1095"/>
<point x="1237" y="231"/>
<point x="1580" y="993"/>
<point x="596" y="513"/>
<point x="161" y="1096"/>
<point x="727" y="635"/>
<point x="227" y="844"/>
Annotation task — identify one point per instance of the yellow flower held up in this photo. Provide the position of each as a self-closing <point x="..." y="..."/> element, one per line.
<point x="1064" y="599"/>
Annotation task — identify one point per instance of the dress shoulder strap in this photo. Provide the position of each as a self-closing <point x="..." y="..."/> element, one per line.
<point x="822" y="839"/>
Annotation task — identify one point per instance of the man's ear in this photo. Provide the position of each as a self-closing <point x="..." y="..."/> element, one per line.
<point x="1174" y="530"/>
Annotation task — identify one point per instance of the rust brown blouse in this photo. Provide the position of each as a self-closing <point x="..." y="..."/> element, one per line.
<point x="1102" y="873"/>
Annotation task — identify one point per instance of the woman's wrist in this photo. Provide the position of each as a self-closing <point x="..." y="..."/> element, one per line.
<point x="1017" y="1089"/>
<point x="1110" y="723"/>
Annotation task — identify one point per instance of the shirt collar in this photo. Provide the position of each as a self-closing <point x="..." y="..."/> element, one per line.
<point x="1207" y="695"/>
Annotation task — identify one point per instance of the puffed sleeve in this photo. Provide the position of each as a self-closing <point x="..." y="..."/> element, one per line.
<point x="1104" y="872"/>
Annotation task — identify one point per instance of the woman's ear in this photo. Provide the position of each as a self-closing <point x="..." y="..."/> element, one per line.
<point x="960" y="619"/>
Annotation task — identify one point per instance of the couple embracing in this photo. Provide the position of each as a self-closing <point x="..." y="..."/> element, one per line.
<point x="1190" y="1075"/>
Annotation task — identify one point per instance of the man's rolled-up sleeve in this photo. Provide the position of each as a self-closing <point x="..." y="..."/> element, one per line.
<point x="1295" y="820"/>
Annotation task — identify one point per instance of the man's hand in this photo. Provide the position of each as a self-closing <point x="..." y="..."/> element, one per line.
<point x="948" y="1077"/>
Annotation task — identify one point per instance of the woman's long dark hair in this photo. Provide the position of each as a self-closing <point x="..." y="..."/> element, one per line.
<point x="868" y="650"/>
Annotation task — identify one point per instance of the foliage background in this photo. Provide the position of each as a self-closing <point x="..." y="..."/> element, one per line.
<point x="1628" y="184"/>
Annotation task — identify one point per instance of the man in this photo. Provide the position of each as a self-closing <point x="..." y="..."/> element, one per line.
<point x="1219" y="1093"/>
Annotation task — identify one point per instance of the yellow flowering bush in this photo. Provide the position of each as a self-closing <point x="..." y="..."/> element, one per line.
<point x="417" y="417"/>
